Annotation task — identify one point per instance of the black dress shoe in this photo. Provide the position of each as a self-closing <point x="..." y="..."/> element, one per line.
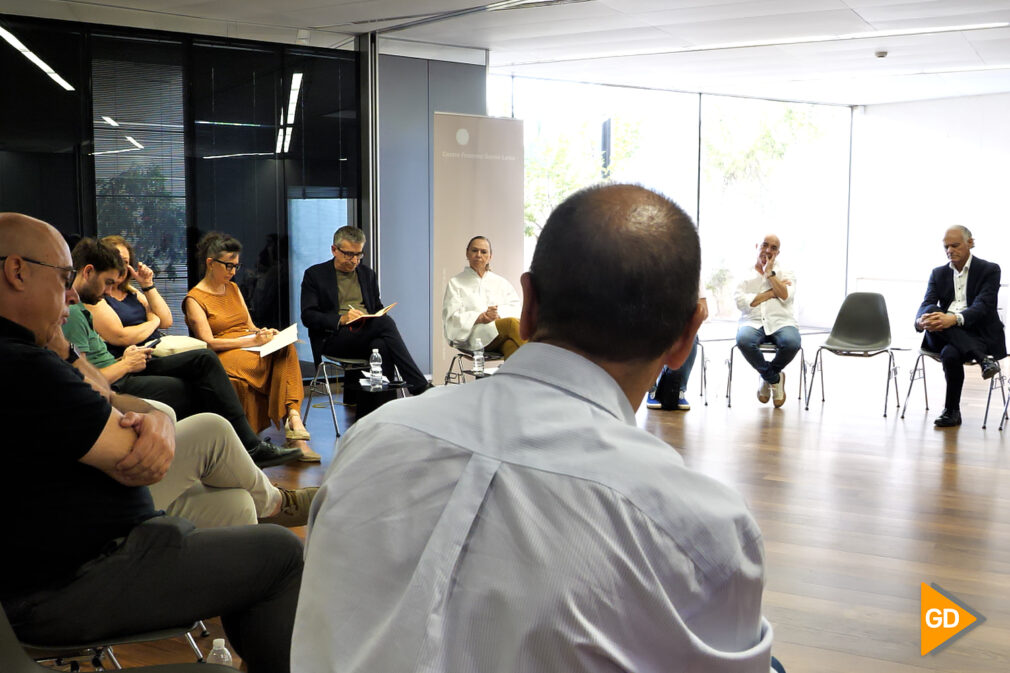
<point x="948" y="419"/>
<point x="989" y="368"/>
<point x="422" y="389"/>
<point x="266" y="454"/>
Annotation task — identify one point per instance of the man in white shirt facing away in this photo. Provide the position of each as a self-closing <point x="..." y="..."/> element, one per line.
<point x="523" y="523"/>
<point x="765" y="300"/>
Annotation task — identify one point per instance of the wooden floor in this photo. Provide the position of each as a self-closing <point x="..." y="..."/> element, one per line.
<point x="857" y="510"/>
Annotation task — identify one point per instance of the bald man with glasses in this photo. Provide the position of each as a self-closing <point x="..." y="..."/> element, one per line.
<point x="336" y="294"/>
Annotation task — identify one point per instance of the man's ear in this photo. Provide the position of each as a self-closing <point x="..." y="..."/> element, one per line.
<point x="971" y="243"/>
<point x="677" y="353"/>
<point x="11" y="270"/>
<point x="531" y="306"/>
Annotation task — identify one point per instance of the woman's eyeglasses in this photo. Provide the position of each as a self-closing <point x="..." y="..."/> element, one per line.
<point x="231" y="266"/>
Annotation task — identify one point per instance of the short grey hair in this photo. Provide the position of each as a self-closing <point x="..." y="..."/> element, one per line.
<point x="349" y="234"/>
<point x="965" y="231"/>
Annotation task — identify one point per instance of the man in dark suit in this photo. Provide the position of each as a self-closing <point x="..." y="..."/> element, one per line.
<point x="336" y="293"/>
<point x="958" y="315"/>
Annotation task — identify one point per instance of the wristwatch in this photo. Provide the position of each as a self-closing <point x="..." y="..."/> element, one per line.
<point x="73" y="355"/>
<point x="771" y="274"/>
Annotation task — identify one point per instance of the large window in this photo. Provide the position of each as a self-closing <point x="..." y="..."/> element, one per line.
<point x="744" y="169"/>
<point x="579" y="134"/>
<point x="774" y="168"/>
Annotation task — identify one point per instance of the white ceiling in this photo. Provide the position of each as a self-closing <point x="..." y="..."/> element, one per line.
<point x="683" y="45"/>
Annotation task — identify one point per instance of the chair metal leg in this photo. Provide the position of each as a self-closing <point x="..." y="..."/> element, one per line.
<point x="800" y="398"/>
<point x="818" y="364"/>
<point x="193" y="646"/>
<point x="1003" y="418"/>
<point x="729" y="378"/>
<point x="892" y="373"/>
<point x="329" y="394"/>
<point x="204" y="632"/>
<point x="703" y="386"/>
<point x="918" y="371"/>
<point x="111" y="655"/>
<point x="1002" y="389"/>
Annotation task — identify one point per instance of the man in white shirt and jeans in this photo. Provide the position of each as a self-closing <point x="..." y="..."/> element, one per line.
<point x="765" y="301"/>
<point x="524" y="522"/>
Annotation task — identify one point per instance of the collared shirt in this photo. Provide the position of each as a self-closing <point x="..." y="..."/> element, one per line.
<point x="773" y="314"/>
<point x="467" y="296"/>
<point x="524" y="523"/>
<point x="960" y="302"/>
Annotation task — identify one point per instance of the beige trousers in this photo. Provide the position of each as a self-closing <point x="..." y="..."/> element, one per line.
<point x="212" y="481"/>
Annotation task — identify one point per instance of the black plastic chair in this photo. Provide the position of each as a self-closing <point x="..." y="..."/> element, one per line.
<point x="456" y="373"/>
<point x="15" y="659"/>
<point x="862" y="330"/>
<point x="919" y="372"/>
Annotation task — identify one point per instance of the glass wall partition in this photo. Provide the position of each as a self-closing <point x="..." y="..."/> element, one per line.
<point x="140" y="155"/>
<point x="44" y="141"/>
<point x="163" y="137"/>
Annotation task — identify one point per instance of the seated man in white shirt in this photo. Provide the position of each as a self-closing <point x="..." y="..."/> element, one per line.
<point x="765" y="301"/>
<point x="551" y="534"/>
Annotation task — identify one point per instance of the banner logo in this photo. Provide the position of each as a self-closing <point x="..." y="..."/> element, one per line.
<point x="943" y="618"/>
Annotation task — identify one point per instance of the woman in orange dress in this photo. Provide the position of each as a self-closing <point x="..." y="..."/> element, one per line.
<point x="270" y="388"/>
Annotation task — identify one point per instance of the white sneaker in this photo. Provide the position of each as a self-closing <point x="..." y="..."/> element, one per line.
<point x="779" y="391"/>
<point x="764" y="391"/>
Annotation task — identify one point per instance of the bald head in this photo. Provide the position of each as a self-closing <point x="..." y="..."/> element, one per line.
<point x="23" y="235"/>
<point x="33" y="274"/>
<point x="616" y="273"/>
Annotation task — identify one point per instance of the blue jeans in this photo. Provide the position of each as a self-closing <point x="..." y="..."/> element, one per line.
<point x="786" y="339"/>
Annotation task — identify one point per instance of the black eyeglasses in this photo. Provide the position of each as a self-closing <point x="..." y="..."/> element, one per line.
<point x="68" y="279"/>
<point x="228" y="265"/>
<point x="351" y="255"/>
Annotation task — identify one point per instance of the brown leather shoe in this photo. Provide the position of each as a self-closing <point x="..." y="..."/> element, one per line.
<point x="294" y="507"/>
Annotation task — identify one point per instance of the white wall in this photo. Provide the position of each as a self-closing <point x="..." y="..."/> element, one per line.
<point x="918" y="168"/>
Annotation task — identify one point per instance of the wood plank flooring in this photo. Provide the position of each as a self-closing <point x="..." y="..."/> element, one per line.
<point x="856" y="509"/>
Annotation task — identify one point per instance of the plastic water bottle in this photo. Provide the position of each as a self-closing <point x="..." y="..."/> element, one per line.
<point x="478" y="358"/>
<point x="375" y="369"/>
<point x="219" y="654"/>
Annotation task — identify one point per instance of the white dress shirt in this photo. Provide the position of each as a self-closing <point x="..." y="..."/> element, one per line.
<point x="524" y="523"/>
<point x="467" y="296"/>
<point x="772" y="315"/>
<point x="960" y="302"/>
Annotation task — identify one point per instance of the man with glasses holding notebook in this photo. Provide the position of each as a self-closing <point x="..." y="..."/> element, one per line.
<point x="337" y="297"/>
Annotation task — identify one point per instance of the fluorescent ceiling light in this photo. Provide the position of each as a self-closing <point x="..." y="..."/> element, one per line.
<point x="780" y="42"/>
<point x="134" y="143"/>
<point x="110" y="121"/>
<point x="128" y="149"/>
<point x="296" y="85"/>
<point x="287" y="137"/>
<point x="43" y="66"/>
<point x="280" y="141"/>
<point x="241" y="154"/>
<point x="210" y="123"/>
